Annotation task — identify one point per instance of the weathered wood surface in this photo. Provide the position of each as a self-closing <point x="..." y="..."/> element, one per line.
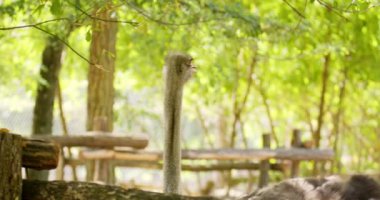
<point x="10" y="166"/>
<point x="187" y="167"/>
<point x="37" y="190"/>
<point x="264" y="164"/>
<point x="216" y="154"/>
<point x="39" y="154"/>
<point x="296" y="142"/>
<point x="99" y="140"/>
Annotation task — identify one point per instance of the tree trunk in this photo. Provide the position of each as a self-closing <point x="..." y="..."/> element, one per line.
<point x="317" y="134"/>
<point x="101" y="75"/>
<point x="43" y="109"/>
<point x="337" y="121"/>
<point x="325" y="76"/>
<point x="10" y="166"/>
<point x="100" y="89"/>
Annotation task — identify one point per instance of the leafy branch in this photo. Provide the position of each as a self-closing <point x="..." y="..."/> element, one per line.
<point x="209" y="6"/>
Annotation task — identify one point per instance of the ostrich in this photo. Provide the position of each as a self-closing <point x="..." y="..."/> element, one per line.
<point x="178" y="70"/>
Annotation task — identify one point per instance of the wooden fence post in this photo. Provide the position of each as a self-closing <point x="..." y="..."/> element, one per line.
<point x="264" y="165"/>
<point x="10" y="166"/>
<point x="102" y="167"/>
<point x="296" y="143"/>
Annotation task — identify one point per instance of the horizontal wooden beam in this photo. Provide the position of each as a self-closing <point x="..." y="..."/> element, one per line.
<point x="98" y="140"/>
<point x="242" y="165"/>
<point x="216" y="154"/>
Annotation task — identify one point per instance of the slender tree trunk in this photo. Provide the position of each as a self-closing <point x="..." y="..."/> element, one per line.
<point x="204" y="127"/>
<point x="43" y="109"/>
<point x="337" y="120"/>
<point x="100" y="76"/>
<point x="269" y="114"/>
<point x="65" y="133"/>
<point x="325" y="76"/>
<point x="317" y="133"/>
<point x="238" y="109"/>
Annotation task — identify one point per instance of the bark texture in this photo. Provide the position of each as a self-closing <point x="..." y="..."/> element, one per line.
<point x="101" y="73"/>
<point x="10" y="166"/>
<point x="39" y="154"/>
<point x="43" y="109"/>
<point x="54" y="190"/>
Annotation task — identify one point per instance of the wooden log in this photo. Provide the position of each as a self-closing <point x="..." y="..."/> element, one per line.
<point x="98" y="141"/>
<point x="264" y="164"/>
<point x="296" y="142"/>
<point x="36" y="190"/>
<point x="216" y="154"/>
<point x="187" y="167"/>
<point x="39" y="154"/>
<point x="10" y="166"/>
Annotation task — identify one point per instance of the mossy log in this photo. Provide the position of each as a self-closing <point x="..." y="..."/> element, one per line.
<point x="54" y="190"/>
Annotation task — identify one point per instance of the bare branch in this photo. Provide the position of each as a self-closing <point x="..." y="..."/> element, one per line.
<point x="54" y="35"/>
<point x="334" y="10"/>
<point x="294" y="9"/>
<point x="64" y="42"/>
<point x="33" y="25"/>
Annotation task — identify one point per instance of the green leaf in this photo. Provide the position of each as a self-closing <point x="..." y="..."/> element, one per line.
<point x="56" y="7"/>
<point x="88" y="35"/>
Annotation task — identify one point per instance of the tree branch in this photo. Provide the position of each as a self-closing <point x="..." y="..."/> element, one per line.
<point x="294" y="9"/>
<point x="33" y="25"/>
<point x="106" y="20"/>
<point x="54" y="35"/>
<point x="64" y="42"/>
<point x="329" y="7"/>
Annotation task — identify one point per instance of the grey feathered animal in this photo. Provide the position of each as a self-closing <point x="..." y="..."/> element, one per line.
<point x="358" y="187"/>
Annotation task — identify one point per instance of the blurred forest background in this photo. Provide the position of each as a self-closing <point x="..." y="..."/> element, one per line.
<point x="263" y="67"/>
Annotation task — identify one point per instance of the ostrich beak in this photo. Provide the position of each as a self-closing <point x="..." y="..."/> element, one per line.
<point x="193" y="69"/>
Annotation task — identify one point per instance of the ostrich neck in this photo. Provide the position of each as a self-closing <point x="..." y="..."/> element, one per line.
<point x="173" y="104"/>
<point x="172" y="148"/>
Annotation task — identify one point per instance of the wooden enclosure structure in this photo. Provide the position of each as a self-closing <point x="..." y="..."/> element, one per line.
<point x="16" y="152"/>
<point x="240" y="159"/>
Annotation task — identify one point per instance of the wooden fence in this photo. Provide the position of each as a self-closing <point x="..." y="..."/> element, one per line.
<point x="17" y="152"/>
<point x="240" y="159"/>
